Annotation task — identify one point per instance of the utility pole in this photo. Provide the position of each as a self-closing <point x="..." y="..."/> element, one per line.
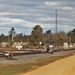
<point x="56" y="29"/>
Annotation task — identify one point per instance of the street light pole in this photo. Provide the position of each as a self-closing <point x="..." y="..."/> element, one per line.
<point x="12" y="37"/>
<point x="70" y="39"/>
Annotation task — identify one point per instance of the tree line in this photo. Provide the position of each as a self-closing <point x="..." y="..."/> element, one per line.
<point x="38" y="37"/>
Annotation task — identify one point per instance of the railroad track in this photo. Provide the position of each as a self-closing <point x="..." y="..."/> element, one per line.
<point x="28" y="52"/>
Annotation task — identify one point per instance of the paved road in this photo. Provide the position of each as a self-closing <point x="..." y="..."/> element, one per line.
<point x="30" y="58"/>
<point x="64" y="66"/>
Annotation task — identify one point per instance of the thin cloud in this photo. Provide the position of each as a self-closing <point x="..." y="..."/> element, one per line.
<point x="28" y="13"/>
<point x="66" y="8"/>
<point x="53" y="3"/>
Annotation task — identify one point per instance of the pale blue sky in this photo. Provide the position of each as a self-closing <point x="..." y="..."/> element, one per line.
<point x="23" y="15"/>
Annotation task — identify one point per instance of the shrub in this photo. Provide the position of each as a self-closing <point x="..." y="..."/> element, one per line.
<point x="8" y="45"/>
<point x="0" y="45"/>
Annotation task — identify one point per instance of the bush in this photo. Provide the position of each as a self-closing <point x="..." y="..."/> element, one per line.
<point x="24" y="47"/>
<point x="0" y="45"/>
<point x="8" y="45"/>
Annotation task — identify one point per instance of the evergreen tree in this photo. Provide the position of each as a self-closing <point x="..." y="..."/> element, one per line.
<point x="36" y="35"/>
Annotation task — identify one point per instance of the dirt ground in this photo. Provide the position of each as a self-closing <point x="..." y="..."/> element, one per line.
<point x="64" y="66"/>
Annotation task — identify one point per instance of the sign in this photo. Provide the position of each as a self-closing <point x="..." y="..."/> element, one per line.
<point x="18" y="47"/>
<point x="65" y="45"/>
<point x="40" y="43"/>
<point x="50" y="46"/>
<point x="6" y="54"/>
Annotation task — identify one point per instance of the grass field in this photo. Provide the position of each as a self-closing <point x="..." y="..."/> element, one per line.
<point x="22" y="68"/>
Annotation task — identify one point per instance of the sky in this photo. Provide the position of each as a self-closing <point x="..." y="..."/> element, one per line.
<point x="23" y="15"/>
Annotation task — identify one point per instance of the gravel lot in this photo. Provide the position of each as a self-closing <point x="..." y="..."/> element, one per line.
<point x="32" y="57"/>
